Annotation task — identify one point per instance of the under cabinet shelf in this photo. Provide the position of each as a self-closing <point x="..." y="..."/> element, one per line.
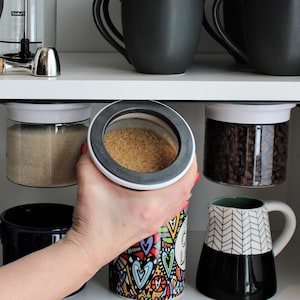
<point x="287" y="270"/>
<point x="98" y="77"/>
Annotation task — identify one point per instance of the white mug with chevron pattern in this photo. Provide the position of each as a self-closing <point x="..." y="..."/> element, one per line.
<point x="240" y="225"/>
<point x="237" y="259"/>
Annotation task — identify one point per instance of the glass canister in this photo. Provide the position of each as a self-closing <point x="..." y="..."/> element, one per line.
<point x="141" y="145"/>
<point x="43" y="142"/>
<point x="246" y="145"/>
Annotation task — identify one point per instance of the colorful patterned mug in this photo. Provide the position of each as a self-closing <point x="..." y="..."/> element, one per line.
<point x="153" y="268"/>
<point x="237" y="259"/>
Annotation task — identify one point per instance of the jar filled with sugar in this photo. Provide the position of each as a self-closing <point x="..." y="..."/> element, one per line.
<point x="142" y="145"/>
<point x="43" y="142"/>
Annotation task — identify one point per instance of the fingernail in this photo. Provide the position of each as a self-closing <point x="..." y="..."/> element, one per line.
<point x="197" y="178"/>
<point x="186" y="205"/>
<point x="83" y="149"/>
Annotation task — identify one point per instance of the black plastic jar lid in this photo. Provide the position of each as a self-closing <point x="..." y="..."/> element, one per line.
<point x="154" y="112"/>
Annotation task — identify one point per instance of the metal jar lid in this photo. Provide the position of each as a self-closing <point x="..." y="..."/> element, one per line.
<point x="136" y="113"/>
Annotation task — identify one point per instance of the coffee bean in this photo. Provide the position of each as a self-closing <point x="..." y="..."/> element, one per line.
<point x="245" y="155"/>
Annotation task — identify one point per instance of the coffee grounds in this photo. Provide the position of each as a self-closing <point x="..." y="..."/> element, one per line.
<point x="140" y="149"/>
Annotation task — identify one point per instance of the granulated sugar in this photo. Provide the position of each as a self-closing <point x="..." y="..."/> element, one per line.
<point x="140" y="149"/>
<point x="44" y="155"/>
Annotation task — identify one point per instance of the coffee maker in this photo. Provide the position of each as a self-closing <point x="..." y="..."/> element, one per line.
<point x="26" y="25"/>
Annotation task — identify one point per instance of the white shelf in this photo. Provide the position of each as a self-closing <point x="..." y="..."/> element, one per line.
<point x="107" y="76"/>
<point x="287" y="269"/>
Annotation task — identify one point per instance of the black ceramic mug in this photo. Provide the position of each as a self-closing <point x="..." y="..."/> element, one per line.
<point x="159" y="36"/>
<point x="31" y="227"/>
<point x="271" y="35"/>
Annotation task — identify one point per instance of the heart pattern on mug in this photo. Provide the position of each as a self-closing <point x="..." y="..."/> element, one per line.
<point x="173" y="226"/>
<point x="147" y="244"/>
<point x="141" y="274"/>
<point x="168" y="260"/>
<point x="157" y="283"/>
<point x="122" y="277"/>
<point x="152" y="265"/>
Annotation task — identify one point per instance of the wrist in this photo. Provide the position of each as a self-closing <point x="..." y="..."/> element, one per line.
<point x="83" y="253"/>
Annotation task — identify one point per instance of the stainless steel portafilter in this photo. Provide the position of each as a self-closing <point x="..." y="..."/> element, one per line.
<point x="44" y="63"/>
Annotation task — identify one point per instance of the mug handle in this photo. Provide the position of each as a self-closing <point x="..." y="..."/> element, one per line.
<point x="289" y="225"/>
<point x="230" y="45"/>
<point x="215" y="36"/>
<point x="115" y="38"/>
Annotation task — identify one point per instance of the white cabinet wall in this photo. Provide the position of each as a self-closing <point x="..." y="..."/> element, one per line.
<point x="76" y="33"/>
<point x="73" y="36"/>
<point x="76" y="30"/>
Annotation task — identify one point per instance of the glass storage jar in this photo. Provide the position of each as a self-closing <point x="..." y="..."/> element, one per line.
<point x="246" y="145"/>
<point x="43" y="142"/>
<point x="142" y="145"/>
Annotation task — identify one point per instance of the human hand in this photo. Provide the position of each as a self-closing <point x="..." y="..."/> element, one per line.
<point x="109" y="218"/>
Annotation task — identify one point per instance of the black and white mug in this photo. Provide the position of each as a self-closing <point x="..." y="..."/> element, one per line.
<point x="237" y="259"/>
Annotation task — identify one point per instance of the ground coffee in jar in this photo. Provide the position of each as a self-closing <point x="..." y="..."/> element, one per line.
<point x="43" y="142"/>
<point x="246" y="145"/>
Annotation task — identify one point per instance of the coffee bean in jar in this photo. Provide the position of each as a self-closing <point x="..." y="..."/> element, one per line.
<point x="246" y="145"/>
<point x="43" y="142"/>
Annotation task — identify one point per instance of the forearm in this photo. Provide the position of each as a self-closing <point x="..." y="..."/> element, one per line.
<point x="107" y="220"/>
<point x="51" y="273"/>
